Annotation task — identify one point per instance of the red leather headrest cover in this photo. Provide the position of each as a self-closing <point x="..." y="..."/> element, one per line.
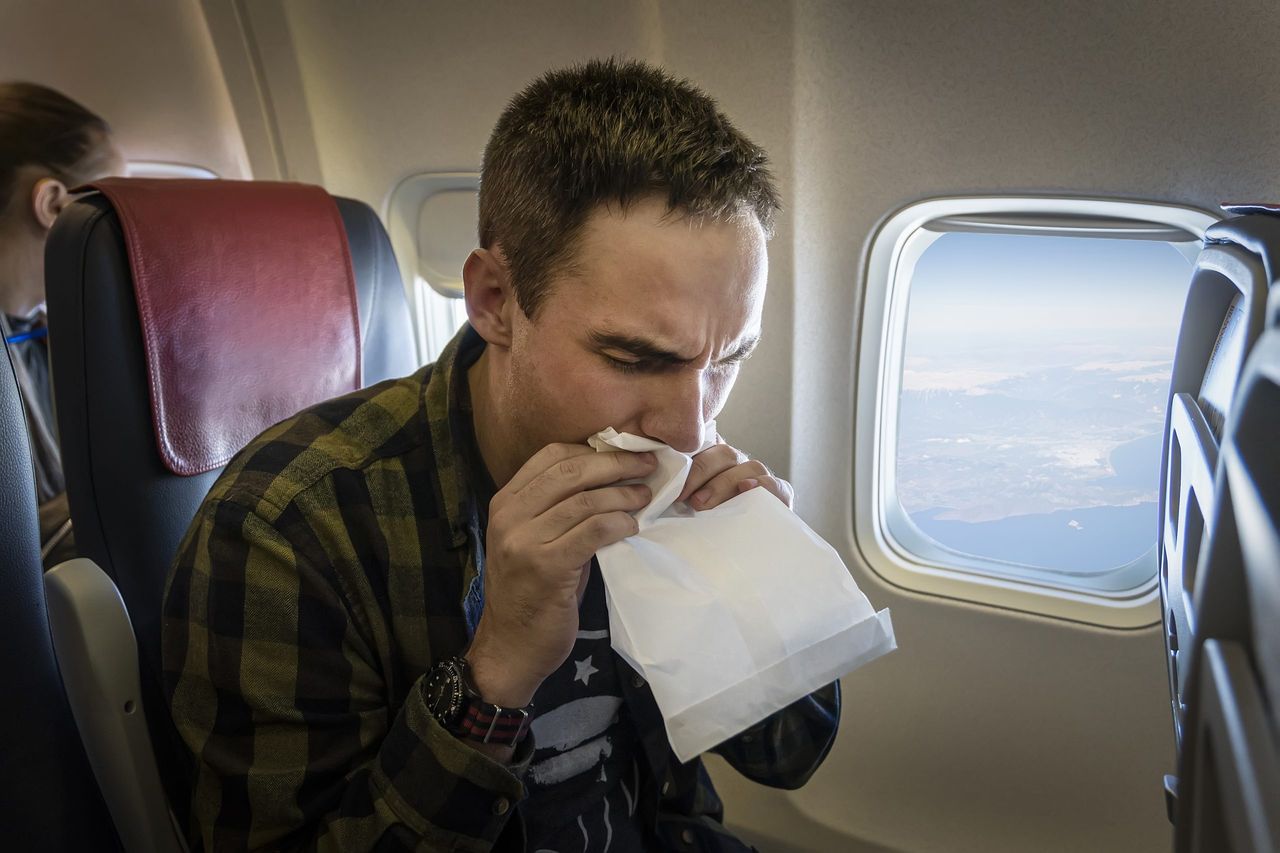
<point x="247" y="305"/>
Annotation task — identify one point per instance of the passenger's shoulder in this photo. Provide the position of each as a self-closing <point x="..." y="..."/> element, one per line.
<point x="351" y="432"/>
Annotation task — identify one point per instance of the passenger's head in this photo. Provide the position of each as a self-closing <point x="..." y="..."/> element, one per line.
<point x="48" y="144"/>
<point x="609" y="134"/>
<point x="622" y="267"/>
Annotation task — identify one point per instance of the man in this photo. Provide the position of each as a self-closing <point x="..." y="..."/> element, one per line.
<point x="380" y="593"/>
<point x="48" y="144"/>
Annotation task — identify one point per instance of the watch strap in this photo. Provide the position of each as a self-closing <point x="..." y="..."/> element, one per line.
<point x="467" y="715"/>
<point x="484" y="722"/>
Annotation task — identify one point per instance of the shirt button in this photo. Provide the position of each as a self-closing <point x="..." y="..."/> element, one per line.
<point x="666" y="788"/>
<point x="501" y="805"/>
<point x="687" y="836"/>
<point x="637" y="682"/>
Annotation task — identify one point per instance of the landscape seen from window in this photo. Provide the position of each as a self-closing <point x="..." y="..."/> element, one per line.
<point x="1034" y="383"/>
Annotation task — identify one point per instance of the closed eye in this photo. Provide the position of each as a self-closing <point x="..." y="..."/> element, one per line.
<point x="736" y="358"/>
<point x="634" y="355"/>
<point x="639" y="365"/>
<point x="741" y="354"/>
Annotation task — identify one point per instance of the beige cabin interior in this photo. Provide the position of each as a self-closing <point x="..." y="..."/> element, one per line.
<point x="991" y="728"/>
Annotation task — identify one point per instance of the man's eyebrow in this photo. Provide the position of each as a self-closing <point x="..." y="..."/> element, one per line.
<point x="646" y="349"/>
<point x="637" y="346"/>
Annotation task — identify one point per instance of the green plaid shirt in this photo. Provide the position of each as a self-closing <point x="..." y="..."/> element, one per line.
<point x="334" y="561"/>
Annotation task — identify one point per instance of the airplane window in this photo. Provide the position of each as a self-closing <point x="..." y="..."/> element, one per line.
<point x="1018" y="387"/>
<point x="431" y="219"/>
<point x="159" y="169"/>
<point x="439" y="318"/>
<point x="1031" y="409"/>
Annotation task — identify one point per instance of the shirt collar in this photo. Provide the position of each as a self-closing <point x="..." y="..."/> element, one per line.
<point x="465" y="484"/>
<point x="33" y="320"/>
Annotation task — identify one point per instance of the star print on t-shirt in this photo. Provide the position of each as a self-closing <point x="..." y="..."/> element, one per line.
<point x="585" y="671"/>
<point x="584" y="777"/>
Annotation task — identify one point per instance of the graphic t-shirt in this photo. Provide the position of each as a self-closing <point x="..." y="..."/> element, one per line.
<point x="584" y="778"/>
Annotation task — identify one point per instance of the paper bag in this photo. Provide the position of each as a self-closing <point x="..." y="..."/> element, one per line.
<point x="732" y="613"/>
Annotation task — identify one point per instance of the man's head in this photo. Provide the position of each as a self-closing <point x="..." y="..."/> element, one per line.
<point x="622" y="266"/>
<point x="48" y="144"/>
<point x="608" y="134"/>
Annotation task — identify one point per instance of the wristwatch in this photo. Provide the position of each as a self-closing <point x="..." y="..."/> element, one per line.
<point x="454" y="701"/>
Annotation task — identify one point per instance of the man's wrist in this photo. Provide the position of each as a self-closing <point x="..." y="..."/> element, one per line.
<point x="453" y="699"/>
<point x="496" y="681"/>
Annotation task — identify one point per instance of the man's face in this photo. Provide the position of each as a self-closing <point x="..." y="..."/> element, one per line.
<point x="644" y="333"/>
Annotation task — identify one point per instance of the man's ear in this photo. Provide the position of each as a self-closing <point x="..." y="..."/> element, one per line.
<point x="48" y="197"/>
<point x="491" y="303"/>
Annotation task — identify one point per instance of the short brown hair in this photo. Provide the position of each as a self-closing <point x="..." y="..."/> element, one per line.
<point x="608" y="132"/>
<point x="43" y="127"/>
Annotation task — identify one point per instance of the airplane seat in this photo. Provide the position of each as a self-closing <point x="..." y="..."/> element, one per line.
<point x="186" y="317"/>
<point x="50" y="800"/>
<point x="1224" y="314"/>
<point x="1220" y="546"/>
<point x="1229" y="767"/>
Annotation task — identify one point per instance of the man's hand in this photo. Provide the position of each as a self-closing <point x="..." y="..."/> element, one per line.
<point x="545" y="525"/>
<point x="721" y="471"/>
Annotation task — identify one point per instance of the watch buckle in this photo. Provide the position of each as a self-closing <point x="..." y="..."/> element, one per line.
<point x="493" y="722"/>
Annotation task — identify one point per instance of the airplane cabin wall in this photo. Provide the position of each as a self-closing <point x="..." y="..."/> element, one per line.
<point x="147" y="67"/>
<point x="991" y="730"/>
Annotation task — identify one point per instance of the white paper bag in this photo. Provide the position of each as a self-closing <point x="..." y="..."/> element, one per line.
<point x="732" y="613"/>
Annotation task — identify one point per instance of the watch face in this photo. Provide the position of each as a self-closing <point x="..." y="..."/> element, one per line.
<point x="443" y="692"/>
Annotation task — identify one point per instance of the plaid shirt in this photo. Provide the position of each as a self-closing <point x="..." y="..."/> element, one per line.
<point x="336" y="559"/>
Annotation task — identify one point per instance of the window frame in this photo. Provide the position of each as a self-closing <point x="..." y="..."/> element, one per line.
<point x="401" y="211"/>
<point x="166" y="169"/>
<point x="893" y="251"/>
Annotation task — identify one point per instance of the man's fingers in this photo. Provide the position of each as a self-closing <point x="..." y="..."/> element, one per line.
<point x="575" y="509"/>
<point x="709" y="463"/>
<point x="568" y="474"/>
<point x="581" y="543"/>
<point x="776" y="486"/>
<point x="579" y="473"/>
<point x="544" y="459"/>
<point x="726" y="484"/>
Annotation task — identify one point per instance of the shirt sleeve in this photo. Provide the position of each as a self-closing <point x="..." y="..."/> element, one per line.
<point x="786" y="748"/>
<point x="277" y="686"/>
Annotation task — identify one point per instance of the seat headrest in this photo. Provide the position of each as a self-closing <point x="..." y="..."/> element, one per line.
<point x="247" y="306"/>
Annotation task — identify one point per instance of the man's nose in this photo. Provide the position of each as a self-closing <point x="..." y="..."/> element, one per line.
<point x="675" y="417"/>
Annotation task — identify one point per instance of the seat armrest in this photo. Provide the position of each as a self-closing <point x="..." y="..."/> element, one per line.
<point x="98" y="660"/>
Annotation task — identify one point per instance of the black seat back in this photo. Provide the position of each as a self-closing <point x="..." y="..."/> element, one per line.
<point x="129" y="509"/>
<point x="1229" y="772"/>
<point x="51" y="801"/>
<point x="1220" y="543"/>
<point x="1224" y="314"/>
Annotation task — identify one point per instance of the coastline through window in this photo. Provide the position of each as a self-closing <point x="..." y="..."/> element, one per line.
<point x="1031" y="409"/>
<point x="1023" y="380"/>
